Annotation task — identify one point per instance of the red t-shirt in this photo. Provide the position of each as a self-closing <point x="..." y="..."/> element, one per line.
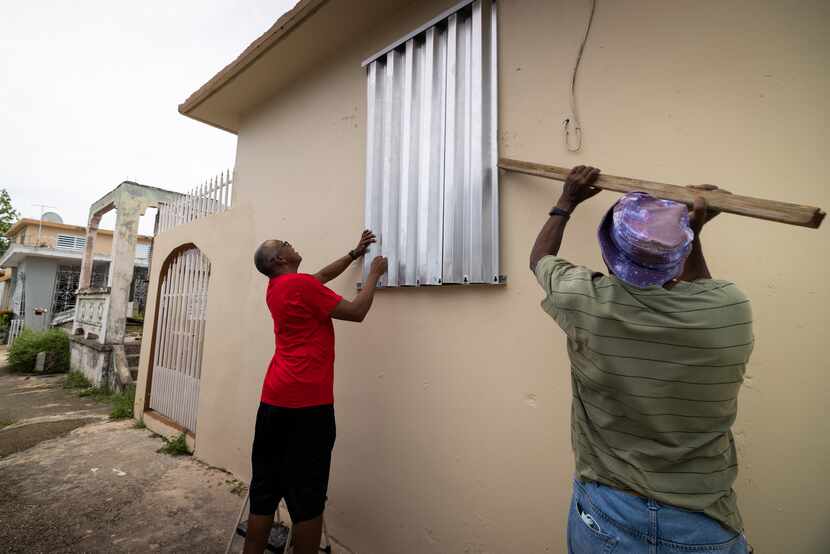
<point x="301" y="373"/>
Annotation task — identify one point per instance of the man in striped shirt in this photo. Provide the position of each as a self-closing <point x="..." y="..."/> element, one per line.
<point x="658" y="351"/>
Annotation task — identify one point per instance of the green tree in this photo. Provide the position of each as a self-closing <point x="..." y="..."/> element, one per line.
<point x="8" y="217"/>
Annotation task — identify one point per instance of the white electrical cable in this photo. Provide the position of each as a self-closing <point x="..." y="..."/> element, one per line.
<point x="577" y="126"/>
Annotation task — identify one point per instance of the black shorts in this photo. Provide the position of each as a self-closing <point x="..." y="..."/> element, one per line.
<point x="290" y="459"/>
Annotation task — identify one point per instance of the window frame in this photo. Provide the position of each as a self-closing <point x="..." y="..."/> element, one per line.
<point x="78" y="242"/>
<point x="142" y="246"/>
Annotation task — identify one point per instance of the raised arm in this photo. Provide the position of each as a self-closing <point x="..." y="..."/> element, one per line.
<point x="356" y="310"/>
<point x="338" y="266"/>
<point x="578" y="188"/>
<point x="696" y="267"/>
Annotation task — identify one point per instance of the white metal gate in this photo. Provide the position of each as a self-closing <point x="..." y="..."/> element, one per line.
<point x="180" y="332"/>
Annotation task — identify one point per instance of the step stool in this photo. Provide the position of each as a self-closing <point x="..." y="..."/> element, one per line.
<point x="279" y="540"/>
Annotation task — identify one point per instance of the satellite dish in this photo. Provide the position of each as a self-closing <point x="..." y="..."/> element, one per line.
<point x="51" y="217"/>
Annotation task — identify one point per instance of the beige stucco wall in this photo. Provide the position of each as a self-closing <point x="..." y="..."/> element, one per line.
<point x="453" y="403"/>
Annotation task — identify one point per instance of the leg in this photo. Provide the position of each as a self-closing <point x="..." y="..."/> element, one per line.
<point x="265" y="491"/>
<point x="307" y="535"/>
<point x="259" y="529"/>
<point x="306" y="495"/>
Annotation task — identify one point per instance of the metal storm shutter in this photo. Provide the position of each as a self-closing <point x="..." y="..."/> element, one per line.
<point x="431" y="163"/>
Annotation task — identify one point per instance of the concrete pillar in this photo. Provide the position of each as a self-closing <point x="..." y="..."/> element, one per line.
<point x="129" y="212"/>
<point x="86" y="265"/>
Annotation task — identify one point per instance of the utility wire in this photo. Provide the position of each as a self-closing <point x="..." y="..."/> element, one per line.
<point x="577" y="126"/>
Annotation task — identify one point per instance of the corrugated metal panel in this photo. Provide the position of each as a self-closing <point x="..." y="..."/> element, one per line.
<point x="431" y="164"/>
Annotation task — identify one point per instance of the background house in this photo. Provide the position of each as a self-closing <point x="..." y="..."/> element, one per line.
<point x="44" y="259"/>
<point x="453" y="402"/>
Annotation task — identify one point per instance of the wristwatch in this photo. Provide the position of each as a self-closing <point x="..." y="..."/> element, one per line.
<point x="559" y="211"/>
<point x="353" y="255"/>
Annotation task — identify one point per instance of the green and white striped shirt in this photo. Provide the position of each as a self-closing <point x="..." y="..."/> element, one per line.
<point x="655" y="375"/>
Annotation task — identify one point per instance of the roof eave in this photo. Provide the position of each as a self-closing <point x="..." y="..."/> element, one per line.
<point x="289" y="21"/>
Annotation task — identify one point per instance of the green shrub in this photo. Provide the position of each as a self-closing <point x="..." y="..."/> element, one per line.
<point x="122" y="403"/>
<point x="24" y="351"/>
<point x="76" y="380"/>
<point x="5" y="319"/>
<point x="237" y="487"/>
<point x="175" y="447"/>
<point x="96" y="393"/>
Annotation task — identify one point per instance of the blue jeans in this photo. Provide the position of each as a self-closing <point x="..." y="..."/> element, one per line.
<point x="603" y="520"/>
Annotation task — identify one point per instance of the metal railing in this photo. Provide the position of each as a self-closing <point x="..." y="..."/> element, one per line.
<point x="211" y="197"/>
<point x="14" y="330"/>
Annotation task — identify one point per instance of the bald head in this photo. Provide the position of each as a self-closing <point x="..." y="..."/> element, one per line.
<point x="266" y="255"/>
<point x="275" y="257"/>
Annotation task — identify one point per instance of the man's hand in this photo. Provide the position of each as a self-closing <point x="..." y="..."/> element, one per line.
<point x="366" y="238"/>
<point x="342" y="263"/>
<point x="695" y="267"/>
<point x="357" y="309"/>
<point x="379" y="266"/>
<point x="700" y="213"/>
<point x="578" y="187"/>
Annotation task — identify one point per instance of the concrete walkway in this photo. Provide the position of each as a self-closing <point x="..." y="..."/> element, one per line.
<point x="104" y="488"/>
<point x="35" y="408"/>
<point x="73" y="481"/>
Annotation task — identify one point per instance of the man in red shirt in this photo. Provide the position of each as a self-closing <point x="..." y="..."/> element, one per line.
<point x="295" y="427"/>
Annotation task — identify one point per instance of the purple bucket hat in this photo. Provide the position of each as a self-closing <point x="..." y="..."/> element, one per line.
<point x="645" y="240"/>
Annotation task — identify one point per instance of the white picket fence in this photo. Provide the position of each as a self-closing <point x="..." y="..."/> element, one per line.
<point x="211" y="197"/>
<point x="14" y="330"/>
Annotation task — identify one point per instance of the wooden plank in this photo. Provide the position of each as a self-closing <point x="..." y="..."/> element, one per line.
<point x="770" y="210"/>
<point x="158" y="416"/>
